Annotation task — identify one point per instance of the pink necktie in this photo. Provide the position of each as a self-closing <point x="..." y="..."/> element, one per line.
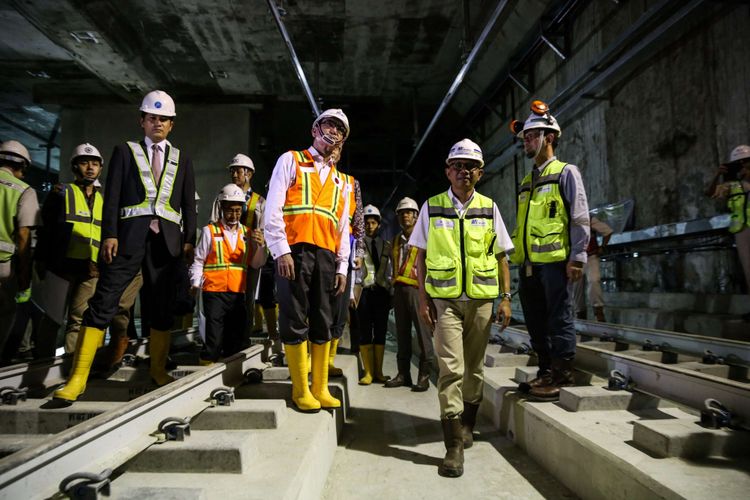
<point x="156" y="169"/>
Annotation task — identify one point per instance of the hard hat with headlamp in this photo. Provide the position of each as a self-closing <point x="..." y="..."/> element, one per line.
<point x="465" y="149"/>
<point x="539" y="119"/>
<point x="15" y="152"/>
<point x="158" y="102"/>
<point x="407" y="204"/>
<point x="335" y="114"/>
<point x="241" y="160"/>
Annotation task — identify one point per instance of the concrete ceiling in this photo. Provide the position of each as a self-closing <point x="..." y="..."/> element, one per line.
<point x="386" y="62"/>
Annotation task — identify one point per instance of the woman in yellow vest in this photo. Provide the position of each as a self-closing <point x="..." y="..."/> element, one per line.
<point x="736" y="191"/>
<point x="461" y="268"/>
<point x="225" y="250"/>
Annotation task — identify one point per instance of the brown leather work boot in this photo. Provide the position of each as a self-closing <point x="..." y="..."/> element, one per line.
<point x="400" y="380"/>
<point x="453" y="463"/>
<point x="562" y="376"/>
<point x="468" y="421"/>
<point x="543" y="377"/>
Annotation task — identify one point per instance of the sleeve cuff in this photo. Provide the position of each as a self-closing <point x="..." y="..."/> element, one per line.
<point x="279" y="249"/>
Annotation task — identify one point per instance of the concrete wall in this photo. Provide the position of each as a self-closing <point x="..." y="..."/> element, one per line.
<point x="657" y="135"/>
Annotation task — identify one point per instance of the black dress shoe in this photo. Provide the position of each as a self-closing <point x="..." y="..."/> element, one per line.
<point x="423" y="383"/>
<point x="399" y="380"/>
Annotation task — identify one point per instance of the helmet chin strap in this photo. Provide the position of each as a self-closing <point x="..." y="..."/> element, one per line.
<point x="327" y="138"/>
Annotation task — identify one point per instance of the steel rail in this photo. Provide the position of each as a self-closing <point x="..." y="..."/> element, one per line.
<point x="668" y="381"/>
<point x="123" y="432"/>
<point x="295" y="60"/>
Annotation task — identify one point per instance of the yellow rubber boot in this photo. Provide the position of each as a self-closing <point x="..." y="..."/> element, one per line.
<point x="379" y="352"/>
<point x="257" y="318"/>
<point x="320" y="356"/>
<point x="159" y="344"/>
<point x="365" y="352"/>
<point x="296" y="357"/>
<point x="332" y="370"/>
<point x="309" y="361"/>
<point x="89" y="339"/>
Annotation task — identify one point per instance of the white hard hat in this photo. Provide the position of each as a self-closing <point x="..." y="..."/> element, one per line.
<point x="372" y="211"/>
<point x="15" y="152"/>
<point x="86" y="149"/>
<point x="337" y="114"/>
<point x="741" y="152"/>
<point x="241" y="160"/>
<point x="540" y="118"/>
<point x="158" y="102"/>
<point x="407" y="204"/>
<point x="232" y="192"/>
<point x="466" y="149"/>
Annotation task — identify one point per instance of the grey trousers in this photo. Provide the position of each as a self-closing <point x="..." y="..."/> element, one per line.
<point x="406" y="311"/>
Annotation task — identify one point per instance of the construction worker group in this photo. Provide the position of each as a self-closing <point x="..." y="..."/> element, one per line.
<point x="309" y="254"/>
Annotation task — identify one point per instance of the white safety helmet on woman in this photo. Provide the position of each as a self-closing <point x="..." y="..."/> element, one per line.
<point x="407" y="204"/>
<point x="539" y="119"/>
<point x="158" y="102"/>
<point x="335" y="114"/>
<point x="241" y="160"/>
<point x="465" y="149"/>
<point x="15" y="152"/>
<point x="372" y="211"/>
<point x="232" y="193"/>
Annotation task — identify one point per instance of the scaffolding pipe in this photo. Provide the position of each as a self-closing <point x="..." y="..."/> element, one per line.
<point x="295" y="60"/>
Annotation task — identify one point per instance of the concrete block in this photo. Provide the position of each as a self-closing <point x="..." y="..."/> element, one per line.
<point x="28" y="418"/>
<point x="161" y="493"/>
<point x="525" y="373"/>
<point x="685" y="438"/>
<point x="202" y="452"/>
<point x="11" y="443"/>
<point x="275" y="373"/>
<point x="716" y="370"/>
<point x="506" y="359"/>
<point x="499" y="393"/>
<point x="242" y="414"/>
<point x="589" y="398"/>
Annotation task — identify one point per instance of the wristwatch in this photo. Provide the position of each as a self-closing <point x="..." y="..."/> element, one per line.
<point x="506" y="295"/>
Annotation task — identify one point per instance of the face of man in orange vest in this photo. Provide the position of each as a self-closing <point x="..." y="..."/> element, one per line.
<point x="406" y="219"/>
<point x="371" y="226"/>
<point x="331" y="127"/>
<point x="231" y="211"/>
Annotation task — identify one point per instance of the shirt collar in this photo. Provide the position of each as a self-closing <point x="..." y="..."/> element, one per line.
<point x="456" y="202"/>
<point x="162" y="144"/>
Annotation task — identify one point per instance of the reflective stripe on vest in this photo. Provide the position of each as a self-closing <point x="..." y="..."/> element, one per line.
<point x="87" y="224"/>
<point x="312" y="211"/>
<point x="739" y="206"/>
<point x="156" y="202"/>
<point x="349" y="181"/>
<point x="250" y="213"/>
<point x="407" y="271"/>
<point x="460" y="249"/>
<point x="225" y="270"/>
<point x="542" y="233"/>
<point x="11" y="190"/>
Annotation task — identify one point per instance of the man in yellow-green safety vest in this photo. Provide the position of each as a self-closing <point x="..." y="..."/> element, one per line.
<point x="461" y="269"/>
<point x="550" y="239"/>
<point x="735" y="189"/>
<point x="19" y="213"/>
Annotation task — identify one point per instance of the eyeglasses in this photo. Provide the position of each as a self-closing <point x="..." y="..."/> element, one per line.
<point x="469" y="166"/>
<point x="233" y="211"/>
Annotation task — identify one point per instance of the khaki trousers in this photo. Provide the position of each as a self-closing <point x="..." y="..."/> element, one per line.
<point x="461" y="335"/>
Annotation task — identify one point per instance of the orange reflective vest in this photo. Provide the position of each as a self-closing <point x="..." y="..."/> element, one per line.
<point x="225" y="270"/>
<point x="407" y="272"/>
<point x="312" y="211"/>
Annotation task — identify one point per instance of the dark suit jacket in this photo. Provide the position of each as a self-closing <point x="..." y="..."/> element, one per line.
<point x="124" y="188"/>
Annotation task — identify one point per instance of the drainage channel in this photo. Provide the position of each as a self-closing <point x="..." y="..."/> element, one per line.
<point x="683" y="378"/>
<point x="100" y="435"/>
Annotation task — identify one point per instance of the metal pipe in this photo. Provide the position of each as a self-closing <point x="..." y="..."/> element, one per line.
<point x="518" y="82"/>
<point x="454" y="87"/>
<point x="554" y="47"/>
<point x="295" y="60"/>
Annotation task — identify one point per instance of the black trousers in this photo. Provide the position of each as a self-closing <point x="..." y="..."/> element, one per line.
<point x="159" y="275"/>
<point x="547" y="308"/>
<point x="305" y="303"/>
<point x="374" y="305"/>
<point x="341" y="309"/>
<point x="267" y="289"/>
<point x="226" y="317"/>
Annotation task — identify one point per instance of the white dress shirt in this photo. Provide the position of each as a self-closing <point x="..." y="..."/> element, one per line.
<point x="283" y="177"/>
